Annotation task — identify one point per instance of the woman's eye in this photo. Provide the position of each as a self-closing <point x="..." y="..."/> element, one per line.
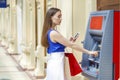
<point x="59" y="16"/>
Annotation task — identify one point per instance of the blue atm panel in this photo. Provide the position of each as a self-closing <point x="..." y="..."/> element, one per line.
<point x="99" y="37"/>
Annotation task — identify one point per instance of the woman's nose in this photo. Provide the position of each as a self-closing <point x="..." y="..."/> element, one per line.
<point x="60" y="18"/>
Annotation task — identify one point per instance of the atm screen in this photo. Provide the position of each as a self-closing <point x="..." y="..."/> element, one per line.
<point x="96" y="22"/>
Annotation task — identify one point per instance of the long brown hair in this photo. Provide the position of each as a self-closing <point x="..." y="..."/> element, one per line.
<point x="47" y="25"/>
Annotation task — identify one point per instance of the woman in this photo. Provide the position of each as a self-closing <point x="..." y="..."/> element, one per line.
<point x="55" y="44"/>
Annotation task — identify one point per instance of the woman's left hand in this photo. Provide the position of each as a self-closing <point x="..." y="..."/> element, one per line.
<point x="72" y="39"/>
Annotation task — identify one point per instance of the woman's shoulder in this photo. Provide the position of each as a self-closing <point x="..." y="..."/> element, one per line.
<point x="54" y="33"/>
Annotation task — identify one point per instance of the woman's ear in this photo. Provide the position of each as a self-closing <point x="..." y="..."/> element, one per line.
<point x="51" y="18"/>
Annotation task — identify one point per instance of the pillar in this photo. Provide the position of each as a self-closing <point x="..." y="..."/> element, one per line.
<point x="40" y="53"/>
<point x="66" y="26"/>
<point x="0" y="26"/>
<point x="12" y="36"/>
<point x="4" y="27"/>
<point x="91" y="5"/>
<point x="28" y="34"/>
<point x="39" y="70"/>
<point x="23" y="56"/>
<point x="19" y="24"/>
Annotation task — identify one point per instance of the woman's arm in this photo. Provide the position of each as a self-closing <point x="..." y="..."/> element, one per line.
<point x="57" y="37"/>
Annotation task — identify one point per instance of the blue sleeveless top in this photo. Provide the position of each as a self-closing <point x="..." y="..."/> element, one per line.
<point x="54" y="46"/>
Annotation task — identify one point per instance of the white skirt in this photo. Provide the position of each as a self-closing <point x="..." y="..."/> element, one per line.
<point x="55" y="66"/>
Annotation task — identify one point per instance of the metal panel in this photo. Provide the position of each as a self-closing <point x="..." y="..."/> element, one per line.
<point x="101" y="67"/>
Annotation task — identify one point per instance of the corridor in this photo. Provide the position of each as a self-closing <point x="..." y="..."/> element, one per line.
<point x="10" y="69"/>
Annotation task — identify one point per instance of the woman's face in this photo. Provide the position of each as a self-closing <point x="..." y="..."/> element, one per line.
<point x="56" y="19"/>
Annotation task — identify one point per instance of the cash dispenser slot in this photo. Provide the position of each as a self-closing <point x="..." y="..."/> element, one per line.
<point x="93" y="68"/>
<point x="93" y="62"/>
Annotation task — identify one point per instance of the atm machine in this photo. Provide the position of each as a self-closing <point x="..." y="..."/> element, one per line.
<point x="102" y="35"/>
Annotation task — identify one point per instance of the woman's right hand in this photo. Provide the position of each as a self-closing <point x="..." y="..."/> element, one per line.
<point x="94" y="53"/>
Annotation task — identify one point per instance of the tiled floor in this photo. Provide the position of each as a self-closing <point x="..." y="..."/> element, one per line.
<point x="14" y="75"/>
<point x="9" y="69"/>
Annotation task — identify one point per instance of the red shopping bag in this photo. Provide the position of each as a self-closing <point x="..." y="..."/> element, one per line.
<point x="74" y="66"/>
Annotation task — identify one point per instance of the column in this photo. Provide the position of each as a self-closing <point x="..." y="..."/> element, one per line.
<point x="12" y="38"/>
<point x="0" y="26"/>
<point x="22" y="58"/>
<point x="40" y="54"/>
<point x="19" y="24"/>
<point x="39" y="70"/>
<point x="28" y="34"/>
<point x="3" y="21"/>
<point x="31" y="33"/>
<point x="91" y="5"/>
<point x="66" y="26"/>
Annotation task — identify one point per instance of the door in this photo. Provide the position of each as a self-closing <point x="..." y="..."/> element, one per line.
<point x="108" y="5"/>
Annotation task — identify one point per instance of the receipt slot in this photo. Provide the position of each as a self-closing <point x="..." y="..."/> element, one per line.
<point x="102" y="35"/>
